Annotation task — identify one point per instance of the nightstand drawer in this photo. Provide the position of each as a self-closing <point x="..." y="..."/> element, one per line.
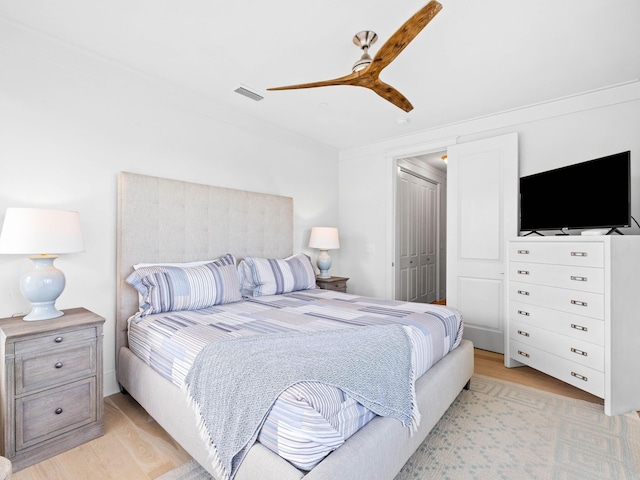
<point x="54" y="368"/>
<point x="58" y="341"/>
<point x="45" y="415"/>
<point x="338" y="286"/>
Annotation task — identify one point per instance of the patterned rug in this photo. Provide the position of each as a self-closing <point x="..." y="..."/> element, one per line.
<point x="500" y="430"/>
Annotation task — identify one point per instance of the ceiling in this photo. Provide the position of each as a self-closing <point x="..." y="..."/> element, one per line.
<point x="474" y="59"/>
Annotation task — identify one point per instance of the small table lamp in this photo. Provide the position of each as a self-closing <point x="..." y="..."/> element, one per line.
<point x="42" y="234"/>
<point x="324" y="239"/>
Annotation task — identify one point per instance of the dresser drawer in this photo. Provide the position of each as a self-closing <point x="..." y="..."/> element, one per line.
<point x="573" y="301"/>
<point x="55" y="342"/>
<point x="579" y="376"/>
<point x="578" y="351"/>
<point x="586" y="279"/>
<point x="584" y="254"/>
<point x="577" y="326"/>
<point x="35" y="372"/>
<point x="47" y="414"/>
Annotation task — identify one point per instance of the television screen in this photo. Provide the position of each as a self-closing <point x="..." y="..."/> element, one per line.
<point x="592" y="194"/>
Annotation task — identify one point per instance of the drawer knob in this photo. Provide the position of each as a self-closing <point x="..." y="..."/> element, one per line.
<point x="58" y="411"/>
<point x="579" y="327"/>
<point x="522" y="312"/>
<point x="523" y="292"/>
<point x="578" y="254"/>
<point x="58" y="340"/>
<point x="579" y="303"/>
<point x="580" y="377"/>
<point x="579" y="352"/>
<point x="523" y="252"/>
<point x="578" y="279"/>
<point x="523" y="333"/>
<point x="58" y="365"/>
<point x="523" y="272"/>
<point x="524" y="354"/>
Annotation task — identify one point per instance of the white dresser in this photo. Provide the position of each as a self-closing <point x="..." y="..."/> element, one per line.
<point x="574" y="313"/>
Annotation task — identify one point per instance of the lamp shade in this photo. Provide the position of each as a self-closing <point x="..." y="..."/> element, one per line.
<point x="324" y="238"/>
<point x="31" y="231"/>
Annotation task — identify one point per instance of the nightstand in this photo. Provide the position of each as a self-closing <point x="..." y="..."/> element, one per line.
<point x="50" y="385"/>
<point x="339" y="284"/>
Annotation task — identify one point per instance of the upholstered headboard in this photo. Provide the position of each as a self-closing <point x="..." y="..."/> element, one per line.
<point x="162" y="220"/>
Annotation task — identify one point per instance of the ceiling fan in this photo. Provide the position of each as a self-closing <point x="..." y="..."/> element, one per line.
<point x="366" y="71"/>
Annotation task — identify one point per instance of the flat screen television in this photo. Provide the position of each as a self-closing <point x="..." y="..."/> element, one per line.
<point x="587" y="195"/>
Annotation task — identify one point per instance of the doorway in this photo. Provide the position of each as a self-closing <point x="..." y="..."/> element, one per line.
<point x="420" y="228"/>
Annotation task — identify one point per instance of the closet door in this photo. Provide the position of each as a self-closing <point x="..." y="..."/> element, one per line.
<point x="482" y="214"/>
<point x="416" y="238"/>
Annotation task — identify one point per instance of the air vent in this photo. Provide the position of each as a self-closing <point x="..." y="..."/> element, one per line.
<point x="247" y="92"/>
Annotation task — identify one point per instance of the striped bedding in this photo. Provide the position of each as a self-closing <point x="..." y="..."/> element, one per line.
<point x="309" y="420"/>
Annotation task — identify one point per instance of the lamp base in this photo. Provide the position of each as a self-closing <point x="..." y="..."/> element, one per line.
<point x="43" y="311"/>
<point x="324" y="263"/>
<point x="42" y="286"/>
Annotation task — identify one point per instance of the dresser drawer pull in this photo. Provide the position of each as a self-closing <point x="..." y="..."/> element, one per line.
<point x="579" y="352"/>
<point x="523" y="252"/>
<point x="579" y="303"/>
<point x="58" y="411"/>
<point x="523" y="292"/>
<point x="578" y="254"/>
<point x="578" y="279"/>
<point x="579" y="327"/>
<point x="523" y="272"/>
<point x="524" y="354"/>
<point x="58" y="340"/>
<point x="580" y="377"/>
<point x="522" y="312"/>
<point x="523" y="333"/>
<point x="58" y="365"/>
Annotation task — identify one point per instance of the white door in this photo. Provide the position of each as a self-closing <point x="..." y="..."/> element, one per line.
<point x="416" y="238"/>
<point x="427" y="246"/>
<point x="482" y="214"/>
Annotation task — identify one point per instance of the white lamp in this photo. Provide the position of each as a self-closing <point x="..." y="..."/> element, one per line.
<point x="42" y="234"/>
<point x="324" y="239"/>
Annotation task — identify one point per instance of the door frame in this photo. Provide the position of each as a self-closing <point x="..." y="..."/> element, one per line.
<point x="392" y="158"/>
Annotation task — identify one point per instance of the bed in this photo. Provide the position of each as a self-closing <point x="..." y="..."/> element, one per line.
<point x="162" y="220"/>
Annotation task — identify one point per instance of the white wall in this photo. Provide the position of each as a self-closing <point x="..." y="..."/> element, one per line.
<point x="69" y="122"/>
<point x="550" y="135"/>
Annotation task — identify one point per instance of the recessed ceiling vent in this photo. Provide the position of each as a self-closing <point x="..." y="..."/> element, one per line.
<point x="247" y="92"/>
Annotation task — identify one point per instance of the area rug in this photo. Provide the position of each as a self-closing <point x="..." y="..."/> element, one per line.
<point x="501" y="430"/>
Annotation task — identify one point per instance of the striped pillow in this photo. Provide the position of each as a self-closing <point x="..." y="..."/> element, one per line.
<point x="167" y="288"/>
<point x="267" y="276"/>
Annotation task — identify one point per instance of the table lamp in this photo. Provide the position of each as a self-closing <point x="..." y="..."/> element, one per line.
<point x="324" y="239"/>
<point x="42" y="234"/>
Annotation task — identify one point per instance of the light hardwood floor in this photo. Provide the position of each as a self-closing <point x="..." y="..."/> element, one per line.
<point x="134" y="446"/>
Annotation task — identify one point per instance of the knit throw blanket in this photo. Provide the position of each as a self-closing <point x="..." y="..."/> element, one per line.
<point x="234" y="383"/>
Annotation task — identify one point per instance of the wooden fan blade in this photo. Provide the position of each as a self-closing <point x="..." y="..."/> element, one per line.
<point x="405" y="34"/>
<point x="350" y="79"/>
<point x="392" y="95"/>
